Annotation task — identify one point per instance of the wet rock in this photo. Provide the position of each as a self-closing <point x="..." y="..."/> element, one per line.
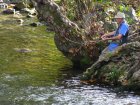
<point x="30" y="11"/>
<point x="136" y="76"/>
<point x="22" y="50"/>
<point x="21" y="5"/>
<point x="20" y="21"/>
<point x="36" y="24"/>
<point x="18" y="15"/>
<point x="30" y="16"/>
<point x="3" y="5"/>
<point x="9" y="11"/>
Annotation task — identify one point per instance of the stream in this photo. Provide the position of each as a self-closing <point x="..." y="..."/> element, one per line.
<point x="34" y="72"/>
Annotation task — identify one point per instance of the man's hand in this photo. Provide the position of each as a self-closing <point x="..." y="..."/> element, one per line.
<point x="107" y="36"/>
<point x="104" y="37"/>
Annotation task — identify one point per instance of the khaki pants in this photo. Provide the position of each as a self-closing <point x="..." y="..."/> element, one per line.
<point x="105" y="54"/>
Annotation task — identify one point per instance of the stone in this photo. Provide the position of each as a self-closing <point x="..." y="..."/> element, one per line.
<point x="3" y="5"/>
<point x="136" y="76"/>
<point x="22" y="50"/>
<point x="30" y="11"/>
<point x="21" y="5"/>
<point x="36" y="24"/>
<point x="20" y="21"/>
<point x="9" y="11"/>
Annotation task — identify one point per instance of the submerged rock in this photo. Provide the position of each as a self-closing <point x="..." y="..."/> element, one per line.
<point x="20" y="21"/>
<point x="35" y="24"/>
<point x="9" y="11"/>
<point x="23" y="50"/>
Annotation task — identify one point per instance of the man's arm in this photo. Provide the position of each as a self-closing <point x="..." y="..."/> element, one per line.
<point x="118" y="37"/>
<point x="108" y="34"/>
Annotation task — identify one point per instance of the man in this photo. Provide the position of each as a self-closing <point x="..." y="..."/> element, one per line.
<point x="117" y="37"/>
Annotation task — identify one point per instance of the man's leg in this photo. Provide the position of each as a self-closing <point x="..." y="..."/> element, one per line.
<point x="104" y="52"/>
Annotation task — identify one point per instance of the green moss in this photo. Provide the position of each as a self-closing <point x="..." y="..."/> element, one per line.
<point x="39" y="67"/>
<point x="114" y="75"/>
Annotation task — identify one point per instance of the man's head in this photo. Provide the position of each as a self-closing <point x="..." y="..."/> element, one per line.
<point x="119" y="17"/>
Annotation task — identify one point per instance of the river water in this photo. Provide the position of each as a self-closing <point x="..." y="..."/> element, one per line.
<point x="34" y="72"/>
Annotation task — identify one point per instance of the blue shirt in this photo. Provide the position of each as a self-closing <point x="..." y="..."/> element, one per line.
<point x="123" y="29"/>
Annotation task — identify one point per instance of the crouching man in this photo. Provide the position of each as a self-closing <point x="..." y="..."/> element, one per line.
<point x="117" y="37"/>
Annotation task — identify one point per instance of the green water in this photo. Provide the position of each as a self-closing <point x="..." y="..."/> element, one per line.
<point x="41" y="75"/>
<point x="40" y="66"/>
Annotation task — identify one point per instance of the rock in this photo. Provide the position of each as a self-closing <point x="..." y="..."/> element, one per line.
<point x="3" y="5"/>
<point x="122" y="70"/>
<point x="36" y="24"/>
<point x="33" y="24"/>
<point x="136" y="76"/>
<point x="18" y="15"/>
<point x="30" y="11"/>
<point x="9" y="11"/>
<point x="22" y="50"/>
<point x="21" y="5"/>
<point x="30" y="16"/>
<point x="131" y="14"/>
<point x="20" y="21"/>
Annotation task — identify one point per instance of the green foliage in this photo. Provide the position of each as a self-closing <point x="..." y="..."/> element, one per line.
<point x="114" y="75"/>
<point x="138" y="13"/>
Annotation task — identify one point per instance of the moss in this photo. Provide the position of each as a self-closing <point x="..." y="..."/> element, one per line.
<point x="39" y="67"/>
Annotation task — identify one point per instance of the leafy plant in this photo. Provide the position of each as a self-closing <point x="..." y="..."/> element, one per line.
<point x="114" y="75"/>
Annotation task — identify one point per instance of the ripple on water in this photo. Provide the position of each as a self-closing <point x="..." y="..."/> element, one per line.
<point x="77" y="95"/>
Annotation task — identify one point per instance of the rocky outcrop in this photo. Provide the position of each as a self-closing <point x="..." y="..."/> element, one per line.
<point x="120" y="67"/>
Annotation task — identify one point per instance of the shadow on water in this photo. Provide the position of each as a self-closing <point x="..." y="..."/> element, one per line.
<point x="34" y="72"/>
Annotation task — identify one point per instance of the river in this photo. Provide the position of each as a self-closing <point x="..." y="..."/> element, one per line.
<point x="34" y="72"/>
